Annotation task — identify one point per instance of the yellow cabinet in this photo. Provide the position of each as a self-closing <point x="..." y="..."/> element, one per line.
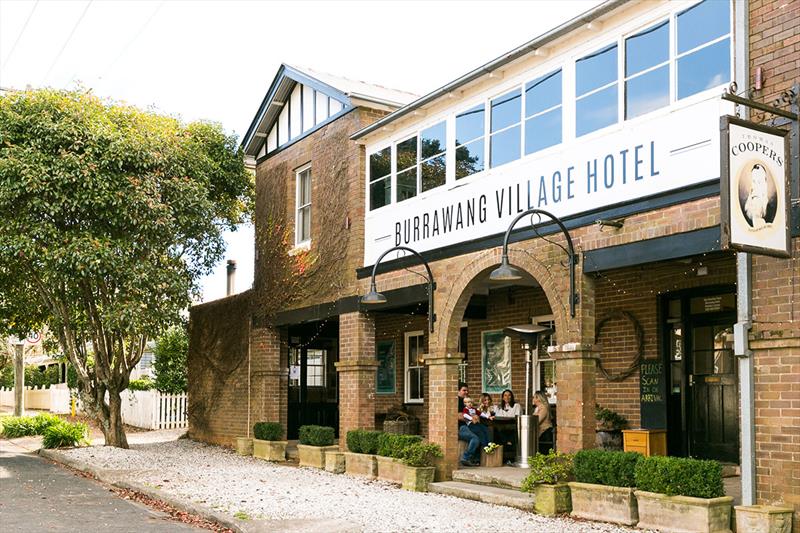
<point x="645" y="441"/>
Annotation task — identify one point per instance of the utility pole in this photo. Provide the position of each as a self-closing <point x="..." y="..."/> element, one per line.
<point x="19" y="380"/>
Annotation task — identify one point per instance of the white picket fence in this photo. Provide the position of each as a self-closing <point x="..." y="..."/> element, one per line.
<point x="151" y="409"/>
<point x="148" y="409"/>
<point x="55" y="399"/>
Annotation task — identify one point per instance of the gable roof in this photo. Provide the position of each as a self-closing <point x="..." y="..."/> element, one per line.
<point x="348" y="93"/>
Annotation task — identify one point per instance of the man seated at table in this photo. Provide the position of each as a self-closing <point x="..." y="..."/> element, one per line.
<point x="476" y="435"/>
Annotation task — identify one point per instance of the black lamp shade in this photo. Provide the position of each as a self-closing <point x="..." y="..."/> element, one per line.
<point x="505" y="272"/>
<point x="373" y="297"/>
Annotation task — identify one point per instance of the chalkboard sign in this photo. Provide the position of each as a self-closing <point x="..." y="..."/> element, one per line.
<point x="653" y="395"/>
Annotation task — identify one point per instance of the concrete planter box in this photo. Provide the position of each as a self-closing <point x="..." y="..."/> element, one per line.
<point x="550" y="500"/>
<point x="314" y="456"/>
<point x="418" y="478"/>
<point x="244" y="445"/>
<point x="763" y="519"/>
<point x="604" y="503"/>
<point x="683" y="514"/>
<point x="335" y="462"/>
<point x="391" y="470"/>
<point x="271" y="450"/>
<point x="361" y="464"/>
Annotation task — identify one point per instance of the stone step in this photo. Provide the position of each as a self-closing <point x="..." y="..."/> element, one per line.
<point x="484" y="493"/>
<point x="505" y="476"/>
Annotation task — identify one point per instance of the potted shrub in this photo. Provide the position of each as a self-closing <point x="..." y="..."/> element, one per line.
<point x="602" y="489"/>
<point x="363" y="445"/>
<point x="609" y="428"/>
<point x="244" y="445"/>
<point x="418" y="459"/>
<point x="315" y="442"/>
<point x="390" y="451"/>
<point x="492" y="455"/>
<point x="547" y="480"/>
<point x="267" y="444"/>
<point x="681" y="494"/>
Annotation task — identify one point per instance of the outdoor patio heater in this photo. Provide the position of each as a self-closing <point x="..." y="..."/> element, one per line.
<point x="527" y="423"/>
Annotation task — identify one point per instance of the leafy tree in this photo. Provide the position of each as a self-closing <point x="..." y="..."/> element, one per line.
<point x="169" y="364"/>
<point x="108" y="217"/>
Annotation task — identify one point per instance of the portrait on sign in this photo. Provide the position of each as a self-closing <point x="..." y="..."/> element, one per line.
<point x="754" y="188"/>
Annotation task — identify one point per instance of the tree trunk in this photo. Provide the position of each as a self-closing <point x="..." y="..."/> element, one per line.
<point x="19" y="381"/>
<point x="110" y="418"/>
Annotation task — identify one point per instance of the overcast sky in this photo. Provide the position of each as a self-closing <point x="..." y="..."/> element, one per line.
<point x="215" y="60"/>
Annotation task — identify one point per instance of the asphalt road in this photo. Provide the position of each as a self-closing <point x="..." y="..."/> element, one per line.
<point x="36" y="495"/>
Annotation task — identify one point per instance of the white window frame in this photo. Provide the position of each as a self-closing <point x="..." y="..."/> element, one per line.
<point x="298" y="226"/>
<point x="323" y="366"/>
<point x="407" y="381"/>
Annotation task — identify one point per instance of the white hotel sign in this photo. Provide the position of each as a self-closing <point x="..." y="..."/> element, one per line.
<point x="639" y="159"/>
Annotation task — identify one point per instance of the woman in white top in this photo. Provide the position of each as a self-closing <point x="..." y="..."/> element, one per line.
<point x="506" y="434"/>
<point x="508" y="408"/>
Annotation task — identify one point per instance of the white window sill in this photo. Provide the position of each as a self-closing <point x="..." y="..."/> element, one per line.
<point x="302" y="247"/>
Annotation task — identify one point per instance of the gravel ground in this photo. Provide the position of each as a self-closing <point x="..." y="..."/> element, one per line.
<point x="219" y="478"/>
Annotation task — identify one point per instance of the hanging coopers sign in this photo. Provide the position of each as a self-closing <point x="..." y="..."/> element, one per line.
<point x="754" y="188"/>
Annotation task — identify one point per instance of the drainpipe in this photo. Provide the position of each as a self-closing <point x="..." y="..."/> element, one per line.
<point x="744" y="301"/>
<point x="231" y="286"/>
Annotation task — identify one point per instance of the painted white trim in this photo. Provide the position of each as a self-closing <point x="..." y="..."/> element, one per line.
<point x="406" y="381"/>
<point x="297" y="207"/>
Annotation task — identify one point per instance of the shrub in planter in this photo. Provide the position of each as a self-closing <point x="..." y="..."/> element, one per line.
<point x="547" y="480"/>
<point x="392" y="445"/>
<point x="267" y="431"/>
<point x="419" y="459"/>
<point x="267" y="444"/>
<point x="65" y="434"/>
<point x="317" y="435"/>
<point x="603" y="487"/>
<point x="610" y="426"/>
<point x="677" y="493"/>
<point x="363" y="441"/>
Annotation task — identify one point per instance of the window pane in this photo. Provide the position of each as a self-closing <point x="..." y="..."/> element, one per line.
<point x="596" y="70"/>
<point x="703" y="23"/>
<point x="412" y="351"/>
<point x="469" y="159"/>
<point x="469" y="124"/>
<point x="596" y="111"/>
<point x="414" y="391"/>
<point x="543" y="131"/>
<point x="506" y="110"/>
<point x="433" y="140"/>
<point x="380" y="193"/>
<point x="305" y="221"/>
<point x="380" y="163"/>
<point x="647" y="92"/>
<point x="433" y="173"/>
<point x="543" y="93"/>
<point x="647" y="49"/>
<point x="305" y="187"/>
<point x="707" y="68"/>
<point x="407" y="153"/>
<point x="407" y="184"/>
<point x="504" y="147"/>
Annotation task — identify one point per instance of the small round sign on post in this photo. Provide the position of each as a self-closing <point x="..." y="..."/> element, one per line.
<point x="34" y="338"/>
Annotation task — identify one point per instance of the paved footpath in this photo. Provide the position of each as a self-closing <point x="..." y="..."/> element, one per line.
<point x="36" y="495"/>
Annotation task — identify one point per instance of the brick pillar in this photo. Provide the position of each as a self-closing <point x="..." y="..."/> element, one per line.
<point x="357" y="367"/>
<point x="576" y="379"/>
<point x="442" y="399"/>
<point x="269" y="377"/>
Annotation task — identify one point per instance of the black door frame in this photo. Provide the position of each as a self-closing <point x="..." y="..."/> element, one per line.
<point x="679" y="429"/>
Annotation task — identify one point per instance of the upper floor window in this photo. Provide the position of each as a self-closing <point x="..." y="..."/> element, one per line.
<point x="596" y="90"/>
<point x="433" y="144"/>
<point x="505" y="133"/>
<point x="469" y="141"/>
<point x="415" y="379"/>
<point x="543" y="112"/>
<point x="303" y="207"/>
<point x="704" y="57"/>
<point x="380" y="178"/>
<point x="407" y="169"/>
<point x="647" y="70"/>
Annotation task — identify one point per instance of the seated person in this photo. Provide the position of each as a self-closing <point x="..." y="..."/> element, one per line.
<point x="506" y="432"/>
<point x="542" y="411"/>
<point x="475" y="434"/>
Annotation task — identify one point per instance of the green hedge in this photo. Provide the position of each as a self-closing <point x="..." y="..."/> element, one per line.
<point x="317" y="435"/>
<point x="392" y="445"/>
<point x="144" y="383"/>
<point x="268" y="431"/>
<point x="555" y="467"/>
<point x="602" y="467"/>
<point x="26" y="426"/>
<point x="65" y="434"/>
<point x="680" y="476"/>
<point x="363" y="440"/>
<point x="420" y="454"/>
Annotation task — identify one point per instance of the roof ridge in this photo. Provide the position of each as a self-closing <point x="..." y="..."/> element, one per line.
<point x="315" y="71"/>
